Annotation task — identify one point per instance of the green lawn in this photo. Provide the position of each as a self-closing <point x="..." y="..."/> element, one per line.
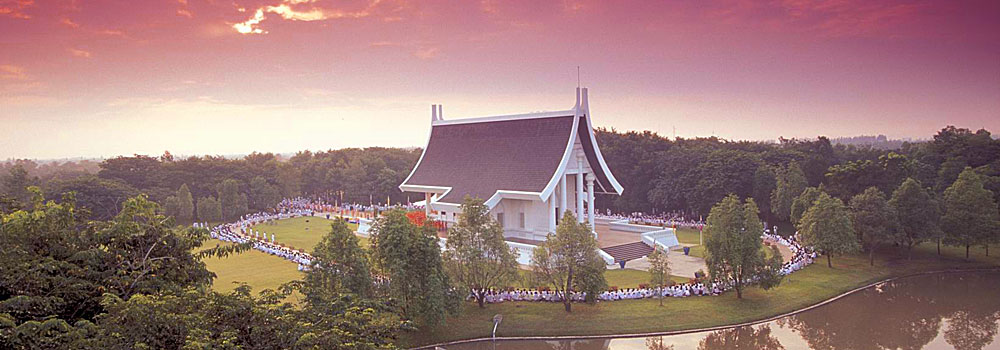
<point x="801" y="289"/>
<point x="301" y="232"/>
<point x="687" y="235"/>
<point x="265" y="271"/>
<point x="259" y="270"/>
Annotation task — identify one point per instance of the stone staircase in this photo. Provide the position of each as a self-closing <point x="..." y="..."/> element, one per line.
<point x="628" y="251"/>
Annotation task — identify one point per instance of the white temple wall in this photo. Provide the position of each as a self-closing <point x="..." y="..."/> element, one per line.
<point x="536" y="219"/>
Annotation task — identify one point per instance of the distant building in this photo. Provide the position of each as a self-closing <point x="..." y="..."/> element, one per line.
<point x="529" y="168"/>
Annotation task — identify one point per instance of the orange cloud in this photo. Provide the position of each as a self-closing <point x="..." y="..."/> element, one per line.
<point x="79" y="53"/>
<point x="12" y="72"/>
<point x="69" y="23"/>
<point x="299" y="10"/>
<point x="249" y="26"/>
<point x="426" y="53"/>
<point x="15" y="8"/>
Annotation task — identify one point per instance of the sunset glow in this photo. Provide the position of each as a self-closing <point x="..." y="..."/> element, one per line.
<point x="103" y="78"/>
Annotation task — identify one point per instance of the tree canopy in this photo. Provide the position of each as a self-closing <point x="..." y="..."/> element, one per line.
<point x="734" y="251"/>
<point x="827" y="227"/>
<point x="568" y="260"/>
<point x="970" y="213"/>
<point x="476" y="256"/>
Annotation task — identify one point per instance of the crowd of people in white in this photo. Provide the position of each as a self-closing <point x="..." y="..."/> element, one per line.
<point x="661" y="220"/>
<point x="801" y="257"/>
<point x="242" y="231"/>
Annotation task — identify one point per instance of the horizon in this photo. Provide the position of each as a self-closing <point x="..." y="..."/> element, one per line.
<point x="99" y="79"/>
<point x="833" y="140"/>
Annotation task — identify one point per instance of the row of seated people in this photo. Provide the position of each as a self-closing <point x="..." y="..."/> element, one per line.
<point x="676" y="291"/>
<point x="662" y="220"/>
<point x="801" y="256"/>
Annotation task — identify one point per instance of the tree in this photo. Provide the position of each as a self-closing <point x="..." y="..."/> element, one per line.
<point x="476" y="256"/>
<point x="232" y="200"/>
<point x="263" y="194"/>
<point x="874" y="221"/>
<point x="408" y="259"/>
<point x="659" y="271"/>
<point x="289" y="180"/>
<point x="791" y="183"/>
<point x="970" y="213"/>
<point x="172" y="206"/>
<point x="16" y="183"/>
<point x="185" y="205"/>
<point x="918" y="214"/>
<point x="569" y="257"/>
<point x="827" y="228"/>
<point x="102" y="197"/>
<point x="764" y="183"/>
<point x="339" y="266"/>
<point x="803" y="202"/>
<point x="209" y="210"/>
<point x="733" y="247"/>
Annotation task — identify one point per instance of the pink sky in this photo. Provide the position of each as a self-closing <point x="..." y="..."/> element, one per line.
<point x="104" y="78"/>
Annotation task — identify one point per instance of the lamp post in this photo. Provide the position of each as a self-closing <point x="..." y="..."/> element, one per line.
<point x="496" y="322"/>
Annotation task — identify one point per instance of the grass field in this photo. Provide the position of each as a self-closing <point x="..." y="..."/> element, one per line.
<point x="265" y="271"/>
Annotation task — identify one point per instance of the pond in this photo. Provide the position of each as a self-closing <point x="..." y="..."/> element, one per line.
<point x="939" y="311"/>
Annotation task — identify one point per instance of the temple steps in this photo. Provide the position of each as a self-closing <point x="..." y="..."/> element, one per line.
<point x="628" y="251"/>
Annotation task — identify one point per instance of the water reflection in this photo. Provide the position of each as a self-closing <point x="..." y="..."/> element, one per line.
<point x="955" y="311"/>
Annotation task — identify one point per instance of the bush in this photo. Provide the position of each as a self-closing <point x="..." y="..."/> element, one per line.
<point x="613" y="288"/>
<point x="643" y="285"/>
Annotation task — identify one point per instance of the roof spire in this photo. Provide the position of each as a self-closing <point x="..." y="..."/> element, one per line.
<point x="577" y="106"/>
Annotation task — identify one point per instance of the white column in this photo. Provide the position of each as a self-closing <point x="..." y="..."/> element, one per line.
<point x="590" y="202"/>
<point x="552" y="213"/>
<point x="427" y="204"/>
<point x="562" y="193"/>
<point x="579" y="190"/>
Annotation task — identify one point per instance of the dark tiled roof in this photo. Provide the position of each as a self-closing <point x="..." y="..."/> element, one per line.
<point x="478" y="159"/>
<point x="603" y="184"/>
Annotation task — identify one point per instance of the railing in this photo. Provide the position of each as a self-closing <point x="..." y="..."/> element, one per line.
<point x="663" y="238"/>
<point x="524" y="252"/>
<point x="608" y="259"/>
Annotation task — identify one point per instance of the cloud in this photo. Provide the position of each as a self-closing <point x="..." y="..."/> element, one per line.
<point x="184" y="11"/>
<point x="69" y="23"/>
<point x="249" y="26"/>
<point x="12" y="72"/>
<point x="384" y="44"/>
<point x="829" y="19"/>
<point x="79" y="53"/>
<point x="426" y="53"/>
<point x="299" y="10"/>
<point x="15" y="8"/>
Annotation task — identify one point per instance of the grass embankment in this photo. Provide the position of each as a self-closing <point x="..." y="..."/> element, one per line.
<point x="264" y="271"/>
<point x="803" y="288"/>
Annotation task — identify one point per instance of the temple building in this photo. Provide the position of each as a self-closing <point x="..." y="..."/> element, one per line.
<point x="528" y="168"/>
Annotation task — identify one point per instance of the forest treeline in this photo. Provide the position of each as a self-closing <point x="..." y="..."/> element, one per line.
<point x="659" y="174"/>
<point x="691" y="175"/>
